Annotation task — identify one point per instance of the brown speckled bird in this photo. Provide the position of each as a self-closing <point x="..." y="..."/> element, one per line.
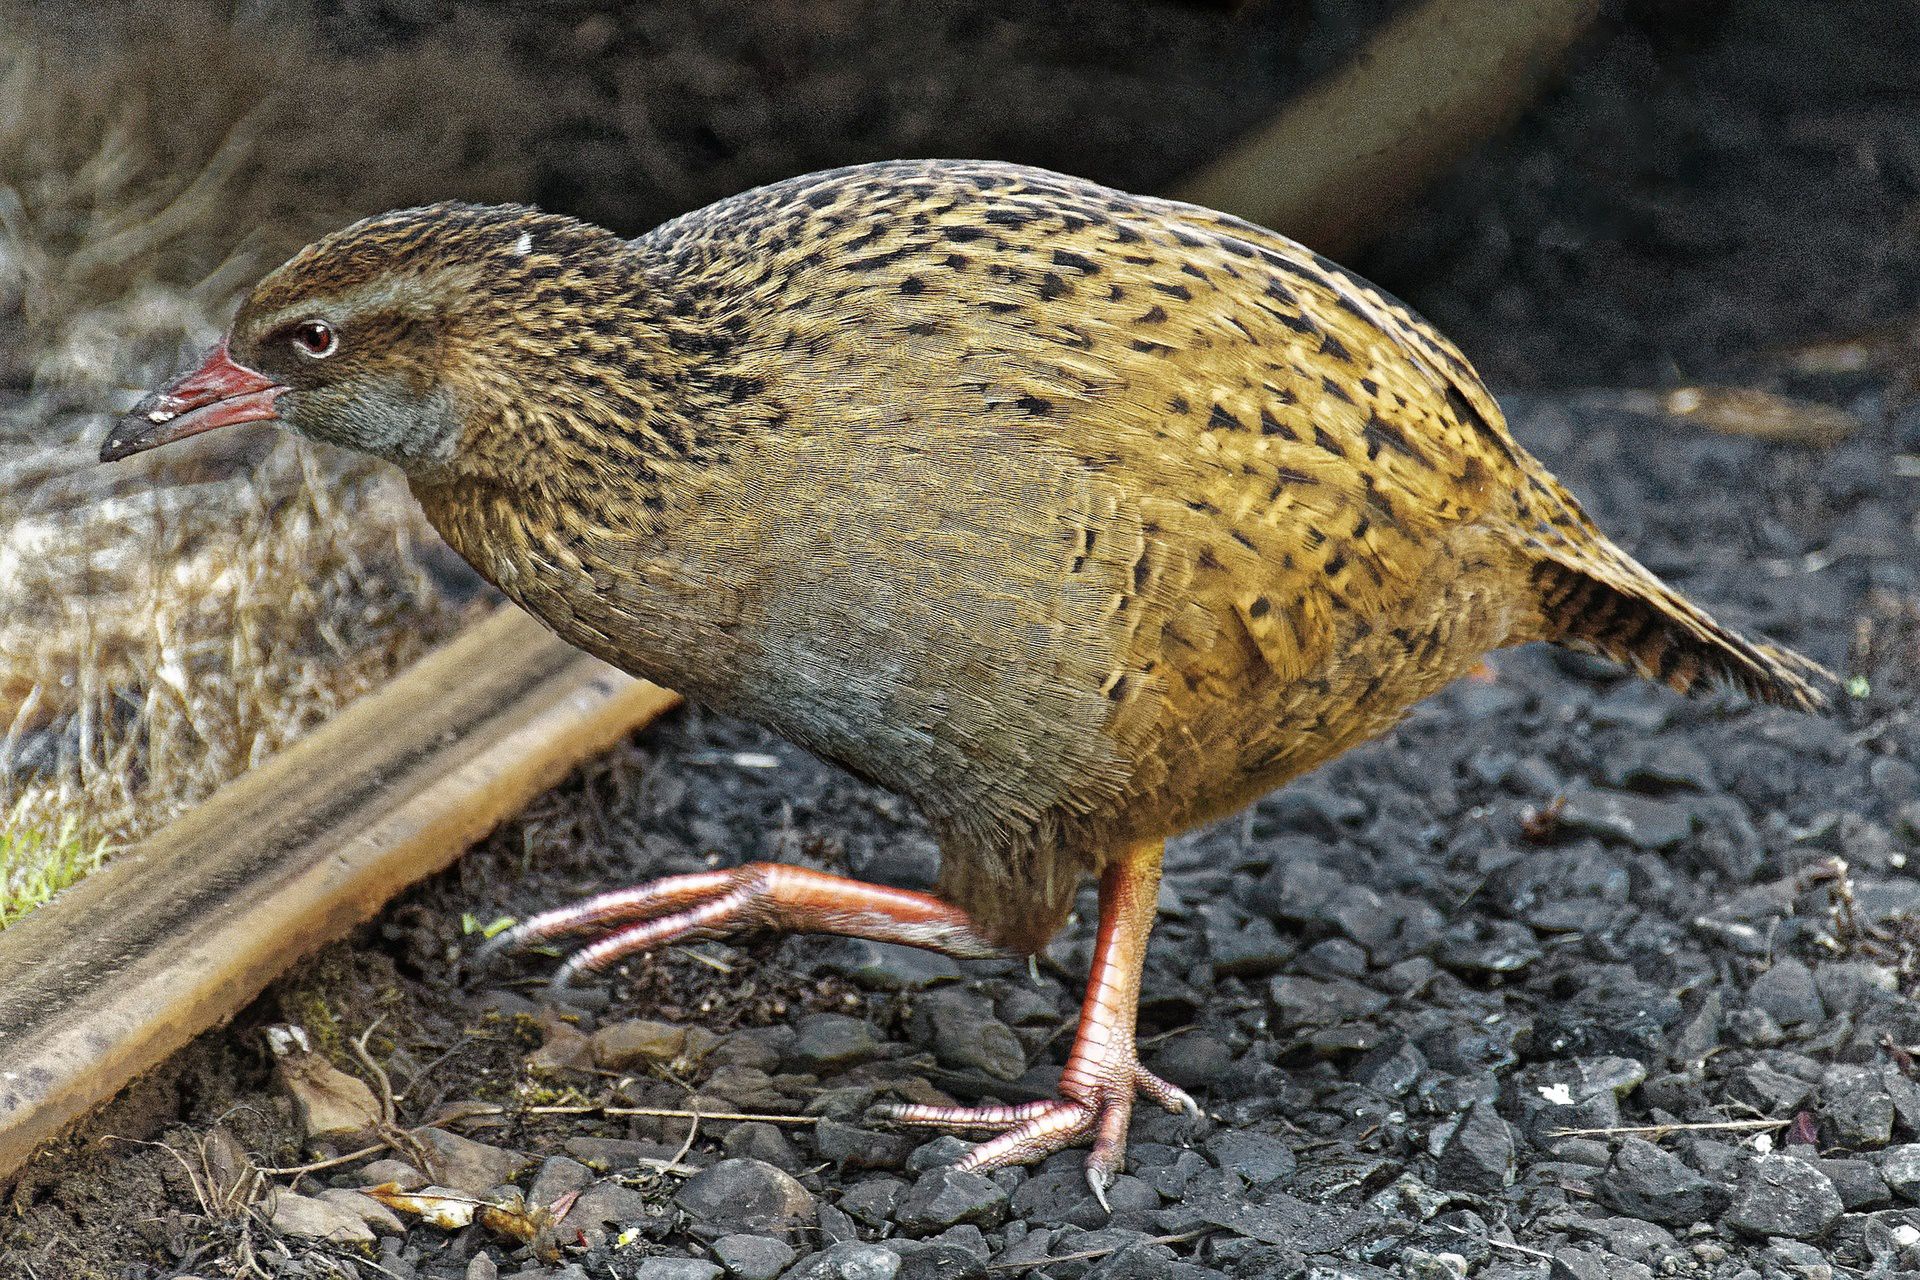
<point x="1077" y="517"/>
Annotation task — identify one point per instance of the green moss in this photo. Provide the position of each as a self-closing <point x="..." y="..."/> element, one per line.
<point x="37" y="862"/>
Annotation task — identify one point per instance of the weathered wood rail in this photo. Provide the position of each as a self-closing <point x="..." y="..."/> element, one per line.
<point x="180" y="932"/>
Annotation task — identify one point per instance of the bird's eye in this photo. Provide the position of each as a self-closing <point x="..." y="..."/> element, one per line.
<point x="316" y="338"/>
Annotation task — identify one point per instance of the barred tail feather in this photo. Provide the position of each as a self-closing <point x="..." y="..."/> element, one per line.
<point x="1612" y="606"/>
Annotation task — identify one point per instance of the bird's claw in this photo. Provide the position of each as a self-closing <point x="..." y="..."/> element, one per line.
<point x="716" y="904"/>
<point x="1096" y="1108"/>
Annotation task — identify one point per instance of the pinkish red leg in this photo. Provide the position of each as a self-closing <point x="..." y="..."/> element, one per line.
<point x="759" y="895"/>
<point x="1103" y="1071"/>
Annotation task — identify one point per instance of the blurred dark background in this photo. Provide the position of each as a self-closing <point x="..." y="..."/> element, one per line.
<point x="1707" y="178"/>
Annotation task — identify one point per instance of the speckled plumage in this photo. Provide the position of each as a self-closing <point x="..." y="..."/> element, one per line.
<point x="1076" y="516"/>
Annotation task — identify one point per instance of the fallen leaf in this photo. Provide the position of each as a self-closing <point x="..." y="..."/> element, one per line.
<point x="329" y="1105"/>
<point x="512" y="1219"/>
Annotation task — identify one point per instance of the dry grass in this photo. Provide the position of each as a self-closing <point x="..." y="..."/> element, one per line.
<point x="166" y="624"/>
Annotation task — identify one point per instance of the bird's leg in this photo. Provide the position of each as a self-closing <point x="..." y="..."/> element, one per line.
<point x="1103" y="1071"/>
<point x="758" y="895"/>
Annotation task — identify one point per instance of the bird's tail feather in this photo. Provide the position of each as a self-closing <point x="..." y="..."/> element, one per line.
<point x="1600" y="600"/>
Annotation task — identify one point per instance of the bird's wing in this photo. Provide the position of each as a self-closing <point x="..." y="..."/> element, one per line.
<point x="1333" y="439"/>
<point x="1299" y="437"/>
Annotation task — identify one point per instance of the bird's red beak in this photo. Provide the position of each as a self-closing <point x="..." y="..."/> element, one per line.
<point x="219" y="393"/>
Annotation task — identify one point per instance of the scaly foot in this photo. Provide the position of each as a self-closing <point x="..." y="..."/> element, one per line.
<point x="1095" y="1103"/>
<point x="1103" y="1071"/>
<point x="758" y="895"/>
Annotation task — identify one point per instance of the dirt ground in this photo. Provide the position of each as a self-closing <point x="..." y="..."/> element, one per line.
<point x="1565" y="978"/>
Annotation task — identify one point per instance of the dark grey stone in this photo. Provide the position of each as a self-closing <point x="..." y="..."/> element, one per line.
<point x="745" y="1196"/>
<point x="1129" y="1203"/>
<point x="748" y="1257"/>
<point x="1787" y="992"/>
<point x="886" y="966"/>
<point x="872" y="1201"/>
<point x="1243" y="946"/>
<point x="834" y="1224"/>
<point x="1419" y="1264"/>
<point x="608" y="1154"/>
<point x="1257" y="1157"/>
<point x="1300" y="885"/>
<point x="937" y="1260"/>
<point x="608" y="1204"/>
<point x="1649" y="763"/>
<point x="558" y="1175"/>
<point x="1859" y="1183"/>
<point x="1333" y="958"/>
<point x="1481" y="946"/>
<point x="966" y="1035"/>
<point x="677" y="1269"/>
<point x="1586" y="1264"/>
<point x="1782" y="1195"/>
<point x="943" y="1197"/>
<point x="1647" y="1182"/>
<point x="830" y="1042"/>
<point x="966" y="1237"/>
<point x="1170" y="1179"/>
<point x="1905" y="1093"/>
<point x="1625" y="816"/>
<point x="937" y="1153"/>
<point x="1900" y="1166"/>
<point x="758" y="1140"/>
<point x="1752" y="1027"/>
<point x="1798" y="1259"/>
<point x="1856" y="1110"/>
<point x="1479" y="1154"/>
<point x="1049" y="1195"/>
<point x="1630" y="1238"/>
<point x="848" y="1261"/>
<point x="1142" y="1260"/>
<point x="1193" y="1061"/>
<point x="1393" y="1068"/>
<point x="1318" y="1002"/>
<point x="852" y="1146"/>
<point x="1769" y="1092"/>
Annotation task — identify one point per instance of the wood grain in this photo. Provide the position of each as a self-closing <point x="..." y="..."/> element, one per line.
<point x="182" y="931"/>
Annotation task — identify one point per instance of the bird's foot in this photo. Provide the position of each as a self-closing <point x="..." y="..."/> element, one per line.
<point x="1095" y="1103"/>
<point x="713" y="904"/>
<point x="1103" y="1071"/>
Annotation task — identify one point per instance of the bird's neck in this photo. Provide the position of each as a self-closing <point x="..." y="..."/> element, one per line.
<point x="615" y="408"/>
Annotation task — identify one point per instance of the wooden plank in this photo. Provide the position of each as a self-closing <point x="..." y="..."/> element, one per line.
<point x="180" y="932"/>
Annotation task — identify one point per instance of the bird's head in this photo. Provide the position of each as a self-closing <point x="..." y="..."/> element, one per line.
<point x="387" y="336"/>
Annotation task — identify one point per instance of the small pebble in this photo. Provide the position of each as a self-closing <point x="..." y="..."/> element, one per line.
<point x="745" y="1195"/>
<point x="1782" y="1195"/>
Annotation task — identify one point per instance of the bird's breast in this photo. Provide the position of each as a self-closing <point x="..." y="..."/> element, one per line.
<point x="945" y="629"/>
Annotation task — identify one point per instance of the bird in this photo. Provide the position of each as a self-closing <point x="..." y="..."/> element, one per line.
<point x="1078" y="518"/>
